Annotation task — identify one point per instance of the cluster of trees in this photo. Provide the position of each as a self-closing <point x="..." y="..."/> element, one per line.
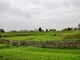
<point x="2" y="30"/>
<point x="69" y="29"/>
<point x="40" y="29"/>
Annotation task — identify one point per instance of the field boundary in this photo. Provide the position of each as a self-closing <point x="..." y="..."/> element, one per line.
<point x="44" y="44"/>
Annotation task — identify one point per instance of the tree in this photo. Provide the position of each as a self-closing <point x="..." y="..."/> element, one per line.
<point x="69" y="28"/>
<point x="46" y="30"/>
<point x="2" y="30"/>
<point x="13" y="31"/>
<point x="40" y="29"/>
<point x="79" y="25"/>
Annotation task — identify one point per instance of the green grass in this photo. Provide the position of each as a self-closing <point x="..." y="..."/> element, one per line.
<point x="38" y="33"/>
<point x="69" y="32"/>
<point x="40" y="36"/>
<point x="9" y="52"/>
<point x="4" y="46"/>
<point x="34" y="38"/>
<point x="35" y="53"/>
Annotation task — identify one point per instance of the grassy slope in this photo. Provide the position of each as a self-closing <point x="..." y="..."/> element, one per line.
<point x="35" y="53"/>
<point x="40" y="35"/>
<point x="36" y="36"/>
<point x="69" y="32"/>
<point x="4" y="46"/>
<point x="8" y="52"/>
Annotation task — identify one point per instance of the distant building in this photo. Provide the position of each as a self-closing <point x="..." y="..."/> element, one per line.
<point x="52" y="29"/>
<point x="23" y="30"/>
<point x="36" y="30"/>
<point x="73" y="29"/>
<point x="70" y="29"/>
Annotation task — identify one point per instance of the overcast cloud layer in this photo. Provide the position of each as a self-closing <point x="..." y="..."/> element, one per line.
<point x="32" y="14"/>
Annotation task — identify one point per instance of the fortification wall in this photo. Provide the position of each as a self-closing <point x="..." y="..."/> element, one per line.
<point x="45" y="44"/>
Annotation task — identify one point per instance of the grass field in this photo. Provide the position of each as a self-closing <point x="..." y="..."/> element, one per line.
<point x="35" y="53"/>
<point x="34" y="38"/>
<point x="37" y="36"/>
<point x="6" y="46"/>
<point x="9" y="52"/>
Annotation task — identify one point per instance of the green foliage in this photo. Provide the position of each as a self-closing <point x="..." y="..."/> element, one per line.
<point x="69" y="28"/>
<point x="40" y="29"/>
<point x="46" y="30"/>
<point x="2" y="30"/>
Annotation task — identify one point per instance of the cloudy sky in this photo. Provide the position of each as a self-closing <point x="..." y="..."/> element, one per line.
<point x="32" y="14"/>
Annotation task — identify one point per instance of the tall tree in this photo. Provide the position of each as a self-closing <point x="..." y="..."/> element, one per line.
<point x="40" y="29"/>
<point x="69" y="28"/>
<point x="46" y="30"/>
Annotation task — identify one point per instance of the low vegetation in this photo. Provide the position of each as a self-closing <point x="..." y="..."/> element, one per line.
<point x="35" y="53"/>
<point x="40" y="36"/>
<point x="9" y="52"/>
<point x="6" y="46"/>
<point x="75" y="36"/>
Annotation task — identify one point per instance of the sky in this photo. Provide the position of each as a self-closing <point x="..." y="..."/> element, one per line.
<point x="32" y="14"/>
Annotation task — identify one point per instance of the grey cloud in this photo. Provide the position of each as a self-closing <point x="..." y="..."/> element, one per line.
<point x="9" y="9"/>
<point x="10" y="16"/>
<point x="32" y="14"/>
<point x="76" y="3"/>
<point x="4" y="6"/>
<point x="18" y="12"/>
<point x="51" y="5"/>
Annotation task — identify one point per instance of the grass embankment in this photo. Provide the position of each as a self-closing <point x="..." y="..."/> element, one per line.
<point x="35" y="53"/>
<point x="6" y="46"/>
<point x="68" y="32"/>
<point x="38" y="36"/>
